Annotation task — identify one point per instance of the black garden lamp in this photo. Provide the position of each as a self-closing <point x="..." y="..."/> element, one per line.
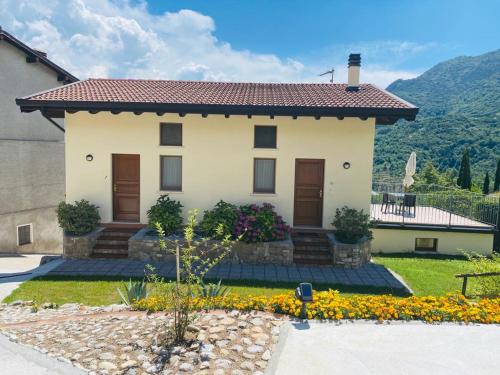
<point x="304" y="293"/>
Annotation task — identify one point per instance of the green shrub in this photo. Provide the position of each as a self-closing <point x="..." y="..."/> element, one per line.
<point x="167" y="212"/>
<point x="223" y="214"/>
<point x="79" y="218"/>
<point x="351" y="225"/>
<point x="260" y="224"/>
<point x="486" y="286"/>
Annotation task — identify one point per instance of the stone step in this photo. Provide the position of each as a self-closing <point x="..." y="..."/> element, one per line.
<point x="310" y="240"/>
<point x="316" y="262"/>
<point x="312" y="252"/>
<point x="110" y="240"/>
<point x="324" y="257"/>
<point x="110" y="249"/>
<point x="311" y="248"/>
<point x="114" y="233"/>
<point x="108" y="256"/>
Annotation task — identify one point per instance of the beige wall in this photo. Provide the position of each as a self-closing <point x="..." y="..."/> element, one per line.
<point x="218" y="159"/>
<point x="397" y="241"/>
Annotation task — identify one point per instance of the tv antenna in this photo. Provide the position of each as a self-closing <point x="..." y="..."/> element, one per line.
<point x="328" y="72"/>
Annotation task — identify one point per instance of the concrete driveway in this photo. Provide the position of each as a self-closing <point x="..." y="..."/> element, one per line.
<point x="17" y="359"/>
<point x="15" y="269"/>
<point x="368" y="348"/>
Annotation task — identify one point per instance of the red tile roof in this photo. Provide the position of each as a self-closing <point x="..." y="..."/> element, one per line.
<point x="223" y="97"/>
<point x="223" y="93"/>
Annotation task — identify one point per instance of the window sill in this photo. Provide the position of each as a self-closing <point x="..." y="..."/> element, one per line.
<point x="171" y="192"/>
<point x="263" y="194"/>
<point x="264" y="149"/>
<point x="171" y="146"/>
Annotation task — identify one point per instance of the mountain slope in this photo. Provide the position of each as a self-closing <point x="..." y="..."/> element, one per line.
<point x="459" y="103"/>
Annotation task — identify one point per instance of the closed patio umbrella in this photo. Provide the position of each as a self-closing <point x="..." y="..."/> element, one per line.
<point x="411" y="168"/>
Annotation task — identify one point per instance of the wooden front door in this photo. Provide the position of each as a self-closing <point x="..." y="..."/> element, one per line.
<point x="308" y="203"/>
<point x="126" y="187"/>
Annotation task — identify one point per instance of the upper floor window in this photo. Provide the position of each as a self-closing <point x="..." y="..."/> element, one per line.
<point x="170" y="134"/>
<point x="265" y="136"/>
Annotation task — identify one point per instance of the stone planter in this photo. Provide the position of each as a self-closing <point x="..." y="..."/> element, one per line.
<point x="145" y="246"/>
<point x="80" y="247"/>
<point x="350" y="255"/>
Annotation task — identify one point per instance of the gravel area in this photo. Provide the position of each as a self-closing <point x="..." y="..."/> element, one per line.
<point x="114" y="340"/>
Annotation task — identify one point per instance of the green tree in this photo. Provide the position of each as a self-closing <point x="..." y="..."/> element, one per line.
<point x="464" y="179"/>
<point x="486" y="184"/>
<point x="496" y="185"/>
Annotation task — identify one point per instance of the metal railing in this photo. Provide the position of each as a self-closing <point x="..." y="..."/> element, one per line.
<point x="448" y="208"/>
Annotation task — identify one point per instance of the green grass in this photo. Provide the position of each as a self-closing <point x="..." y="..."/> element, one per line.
<point x="96" y="291"/>
<point x="427" y="274"/>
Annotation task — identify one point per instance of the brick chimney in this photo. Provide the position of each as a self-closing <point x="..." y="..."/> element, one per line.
<point x="354" y="66"/>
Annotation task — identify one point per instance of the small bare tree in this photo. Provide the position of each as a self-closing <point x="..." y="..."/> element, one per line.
<point x="194" y="259"/>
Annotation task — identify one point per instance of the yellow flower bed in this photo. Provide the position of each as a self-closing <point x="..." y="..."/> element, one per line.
<point x="331" y="305"/>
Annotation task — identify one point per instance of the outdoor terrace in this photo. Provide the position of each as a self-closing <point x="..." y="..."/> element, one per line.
<point x="449" y="210"/>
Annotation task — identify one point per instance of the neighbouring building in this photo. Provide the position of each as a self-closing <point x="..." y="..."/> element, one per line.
<point x="305" y="148"/>
<point x="31" y="152"/>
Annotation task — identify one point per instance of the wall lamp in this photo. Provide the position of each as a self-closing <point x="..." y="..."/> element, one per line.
<point x="89" y="157"/>
<point x="346" y="165"/>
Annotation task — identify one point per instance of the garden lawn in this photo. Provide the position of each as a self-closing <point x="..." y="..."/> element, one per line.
<point x="427" y="274"/>
<point x="98" y="291"/>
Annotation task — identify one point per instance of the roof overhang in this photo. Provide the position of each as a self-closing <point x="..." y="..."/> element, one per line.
<point x="57" y="109"/>
<point x="33" y="56"/>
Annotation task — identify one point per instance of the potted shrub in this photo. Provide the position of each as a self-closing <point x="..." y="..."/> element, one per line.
<point x="351" y="225"/>
<point x="351" y="240"/>
<point x="223" y="214"/>
<point x="79" y="218"/>
<point x="166" y="212"/>
<point x="260" y="224"/>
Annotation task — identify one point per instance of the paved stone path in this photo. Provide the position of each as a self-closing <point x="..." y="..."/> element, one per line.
<point x="368" y="275"/>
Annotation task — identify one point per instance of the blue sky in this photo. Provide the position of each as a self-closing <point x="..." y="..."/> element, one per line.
<point x="298" y="29"/>
<point x="253" y="40"/>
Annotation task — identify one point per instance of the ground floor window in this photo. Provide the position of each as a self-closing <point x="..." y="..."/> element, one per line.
<point x="264" y="176"/>
<point x="24" y="234"/>
<point x="171" y="173"/>
<point x="426" y="244"/>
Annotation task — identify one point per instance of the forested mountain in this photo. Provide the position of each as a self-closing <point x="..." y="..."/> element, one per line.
<point x="459" y="103"/>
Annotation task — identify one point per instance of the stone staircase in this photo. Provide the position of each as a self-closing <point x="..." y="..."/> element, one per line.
<point x="311" y="248"/>
<point x="113" y="243"/>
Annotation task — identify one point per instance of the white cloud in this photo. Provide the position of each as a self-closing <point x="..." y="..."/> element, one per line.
<point x="105" y="38"/>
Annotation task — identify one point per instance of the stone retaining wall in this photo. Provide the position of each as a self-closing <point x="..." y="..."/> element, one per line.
<point x="143" y="246"/>
<point x="80" y="247"/>
<point x="349" y="255"/>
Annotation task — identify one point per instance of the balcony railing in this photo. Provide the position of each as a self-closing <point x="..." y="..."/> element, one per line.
<point x="445" y="208"/>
